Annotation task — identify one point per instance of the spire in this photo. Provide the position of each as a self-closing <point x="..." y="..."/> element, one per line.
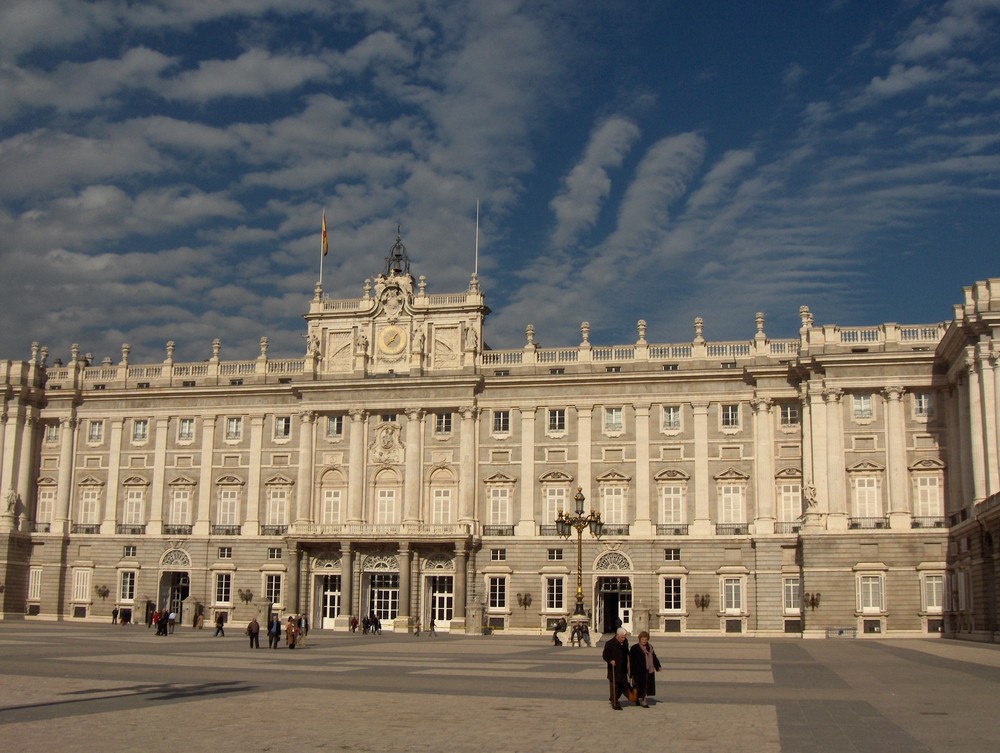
<point x="397" y="261"/>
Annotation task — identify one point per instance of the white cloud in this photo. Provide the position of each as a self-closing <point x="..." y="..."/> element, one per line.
<point x="255" y="73"/>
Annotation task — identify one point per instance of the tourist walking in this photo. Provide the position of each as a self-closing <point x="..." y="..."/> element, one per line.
<point x="253" y="630"/>
<point x="274" y="631"/>
<point x="291" y="632"/>
<point x="616" y="657"/>
<point x="220" y="625"/>
<point x="645" y="665"/>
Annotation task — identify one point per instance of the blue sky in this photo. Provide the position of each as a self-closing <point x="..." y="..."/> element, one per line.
<point x="164" y="164"/>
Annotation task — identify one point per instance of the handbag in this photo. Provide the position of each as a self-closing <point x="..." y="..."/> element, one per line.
<point x="631" y="690"/>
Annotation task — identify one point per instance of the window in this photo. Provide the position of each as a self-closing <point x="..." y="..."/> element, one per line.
<point x="613" y="504"/>
<point x="732" y="595"/>
<point x="95" y="431"/>
<point x="388" y="418"/>
<point x="614" y="421"/>
<point x="185" y="430"/>
<point x="282" y="427"/>
<point x="927" y="497"/>
<point x="334" y="426"/>
<point x="330" y="511"/>
<point x="51" y="433"/>
<point x="140" y="430"/>
<point x="81" y="585"/>
<point x="792" y="595"/>
<point x="557" y="371"/>
<point x="225" y="552"/>
<point x="180" y="506"/>
<point x="866" y="497"/>
<point x="672" y="504"/>
<point x="442" y="423"/>
<point x="274" y="552"/>
<point x="134" y="498"/>
<point x="555" y="555"/>
<point x="385" y="507"/>
<point x="46" y="504"/>
<point x="498" y="593"/>
<point x="89" y="503"/>
<point x="129" y="550"/>
<point x="922" y="404"/>
<point x="730" y="416"/>
<point x="731" y="503"/>
<point x="234" y="428"/>
<point x="557" y="420"/>
<point x="555" y="502"/>
<point x="554" y="594"/>
<point x="498" y="555"/>
<point x="35" y="584"/>
<point x="871" y="598"/>
<point x="671" y="418"/>
<point x="126" y="590"/>
<point x="613" y="369"/>
<point x="499" y="506"/>
<point x="672" y="599"/>
<point x="863" y="406"/>
<point x="933" y="593"/>
<point x="790" y="501"/>
<point x="789" y="414"/>
<point x="672" y="554"/>
<point x="441" y="506"/>
<point x="229" y="506"/>
<point x="501" y="422"/>
<point x="277" y="506"/>
<point x="272" y="588"/>
<point x="223" y="588"/>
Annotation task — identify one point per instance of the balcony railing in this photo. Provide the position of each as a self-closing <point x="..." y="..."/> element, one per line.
<point x="85" y="528"/>
<point x="731" y="529"/>
<point x="131" y="529"/>
<point x="375" y="530"/>
<point x="928" y="522"/>
<point x="498" y="530"/>
<point x="273" y="530"/>
<point x="177" y="530"/>
<point x="548" y="530"/>
<point x="43" y="527"/>
<point x="868" y="523"/>
<point x="788" y="526"/>
<point x="226" y="530"/>
<point x="672" y="529"/>
<point x="615" y="529"/>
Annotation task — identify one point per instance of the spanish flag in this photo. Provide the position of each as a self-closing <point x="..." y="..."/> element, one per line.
<point x="326" y="244"/>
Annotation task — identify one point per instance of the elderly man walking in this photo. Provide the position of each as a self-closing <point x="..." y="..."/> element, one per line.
<point x="616" y="656"/>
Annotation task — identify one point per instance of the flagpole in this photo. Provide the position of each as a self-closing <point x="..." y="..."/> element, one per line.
<point x="476" y="269"/>
<point x="322" y="249"/>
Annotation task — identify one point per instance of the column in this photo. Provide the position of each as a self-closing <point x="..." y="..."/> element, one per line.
<point x="986" y="368"/>
<point x="976" y="452"/>
<point x="965" y="443"/>
<point x="27" y="468"/>
<point x="302" y="606"/>
<point x="157" y="491"/>
<point x="702" y="525"/>
<point x="900" y="507"/>
<point x="304" y="483"/>
<point x="821" y="477"/>
<point x="356" y="480"/>
<point x="526" y="523"/>
<point x="585" y="450"/>
<point x="836" y="472"/>
<point x="405" y="558"/>
<point x="411" y="460"/>
<point x="292" y="588"/>
<point x="763" y="453"/>
<point x="461" y="563"/>
<point x="347" y="607"/>
<point x="8" y="469"/>
<point x="643" y="522"/>
<point x="111" y="493"/>
<point x="67" y="439"/>
<point x="467" y="467"/>
<point x="254" y="474"/>
<point x="3" y="441"/>
<point x="202" y="521"/>
<point x="994" y="362"/>
<point x="956" y="488"/>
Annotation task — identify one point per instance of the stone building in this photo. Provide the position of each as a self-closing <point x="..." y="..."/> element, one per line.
<point x="840" y="483"/>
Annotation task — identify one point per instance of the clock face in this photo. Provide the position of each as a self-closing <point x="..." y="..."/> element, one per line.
<point x="392" y="340"/>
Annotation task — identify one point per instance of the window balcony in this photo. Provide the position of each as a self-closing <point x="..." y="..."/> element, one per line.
<point x="547" y="530"/>
<point x="90" y="528"/>
<point x="788" y="526"/>
<point x="177" y="530"/>
<point x="615" y="529"/>
<point x="867" y="523"/>
<point x="131" y="529"/>
<point x="929" y="522"/>
<point x="273" y="530"/>
<point x="731" y="529"/>
<point x="43" y="527"/>
<point x="672" y="529"/>
<point x="496" y="530"/>
<point x="226" y="530"/>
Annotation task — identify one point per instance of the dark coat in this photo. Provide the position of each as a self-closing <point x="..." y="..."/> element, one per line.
<point x="645" y="682"/>
<point x="613" y="650"/>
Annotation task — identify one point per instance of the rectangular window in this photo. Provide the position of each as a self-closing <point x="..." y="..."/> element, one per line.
<point x="671" y="418"/>
<point x="614" y="421"/>
<point x="863" y="406"/>
<point x="441" y="506"/>
<point x="81" y="585"/>
<point x="180" y="507"/>
<point x="792" y="594"/>
<point x="282" y="427"/>
<point x="385" y="507"/>
<point x="185" y="430"/>
<point x="225" y="552"/>
<point x="613" y="504"/>
<point x="234" y="427"/>
<point x="51" y="433"/>
<point x="334" y="426"/>
<point x="672" y="504"/>
<point x="501" y="422"/>
<point x="555" y="502"/>
<point x="730" y="416"/>
<point x="388" y="418"/>
<point x="46" y="504"/>
<point x="933" y="593"/>
<point x="90" y="498"/>
<point x="922" y="404"/>
<point x="330" y="513"/>
<point x="499" y="506"/>
<point x="672" y="600"/>
<point x="95" y="431"/>
<point x="866" y="501"/>
<point x="274" y="552"/>
<point x="129" y="550"/>
<point x="555" y="555"/>
<point x="927" y="497"/>
<point x="672" y="554"/>
<point x="498" y="593"/>
<point x="789" y="414"/>
<point x="557" y="420"/>
<point x="140" y="430"/>
<point x="870" y="594"/>
<point x="442" y="423"/>
<point x="731" y="504"/>
<point x="498" y="555"/>
<point x="133" y="513"/>
<point x="790" y="495"/>
<point x="35" y="584"/>
<point x="277" y="506"/>
<point x="272" y="588"/>
<point x="732" y="595"/>
<point x="554" y="594"/>
<point x="223" y="588"/>
<point x="126" y="591"/>
<point x="229" y="507"/>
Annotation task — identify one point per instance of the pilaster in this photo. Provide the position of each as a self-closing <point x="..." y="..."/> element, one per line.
<point x="702" y="524"/>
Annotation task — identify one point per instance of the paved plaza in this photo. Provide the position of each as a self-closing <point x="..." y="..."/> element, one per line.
<point x="76" y="687"/>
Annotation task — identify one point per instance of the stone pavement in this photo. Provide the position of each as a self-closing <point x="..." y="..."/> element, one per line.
<point x="87" y="687"/>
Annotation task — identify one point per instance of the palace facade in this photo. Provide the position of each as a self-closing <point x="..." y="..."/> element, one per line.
<point x="844" y="482"/>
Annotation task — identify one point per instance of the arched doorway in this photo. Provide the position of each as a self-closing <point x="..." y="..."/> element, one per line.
<point x="175" y="582"/>
<point x="380" y="587"/>
<point x="614" y="592"/>
<point x="328" y="585"/>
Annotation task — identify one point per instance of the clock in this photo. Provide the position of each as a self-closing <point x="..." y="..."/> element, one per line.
<point x="392" y="340"/>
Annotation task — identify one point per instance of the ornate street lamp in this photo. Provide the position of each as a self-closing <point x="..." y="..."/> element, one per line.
<point x="565" y="525"/>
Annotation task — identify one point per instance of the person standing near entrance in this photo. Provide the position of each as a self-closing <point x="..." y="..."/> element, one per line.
<point x="616" y="657"/>
<point x="253" y="630"/>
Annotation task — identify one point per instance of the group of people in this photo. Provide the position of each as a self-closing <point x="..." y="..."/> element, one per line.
<point x="295" y="631"/>
<point x="163" y="620"/>
<point x="631" y="668"/>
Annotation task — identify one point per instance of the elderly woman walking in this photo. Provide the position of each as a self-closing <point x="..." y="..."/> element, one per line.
<point x="644" y="665"/>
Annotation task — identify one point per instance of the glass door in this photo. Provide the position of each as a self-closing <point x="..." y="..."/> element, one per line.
<point x="330" y="600"/>
<point x="442" y="601"/>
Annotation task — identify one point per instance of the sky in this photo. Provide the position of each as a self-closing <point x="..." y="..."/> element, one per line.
<point x="165" y="164"/>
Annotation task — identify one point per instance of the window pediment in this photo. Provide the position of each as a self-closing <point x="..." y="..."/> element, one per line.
<point x="732" y="474"/>
<point x="795" y="473"/>
<point x="499" y="478"/>
<point x="278" y="479"/>
<point x="46" y="481"/>
<point x="135" y="481"/>
<point x="866" y="466"/>
<point x="182" y="481"/>
<point x="613" y="477"/>
<point x="928" y="464"/>
<point x="556" y="477"/>
<point x="91" y="481"/>
<point x="229" y="481"/>
<point x="672" y="474"/>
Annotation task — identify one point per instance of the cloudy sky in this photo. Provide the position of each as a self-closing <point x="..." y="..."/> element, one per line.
<point x="164" y="164"/>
